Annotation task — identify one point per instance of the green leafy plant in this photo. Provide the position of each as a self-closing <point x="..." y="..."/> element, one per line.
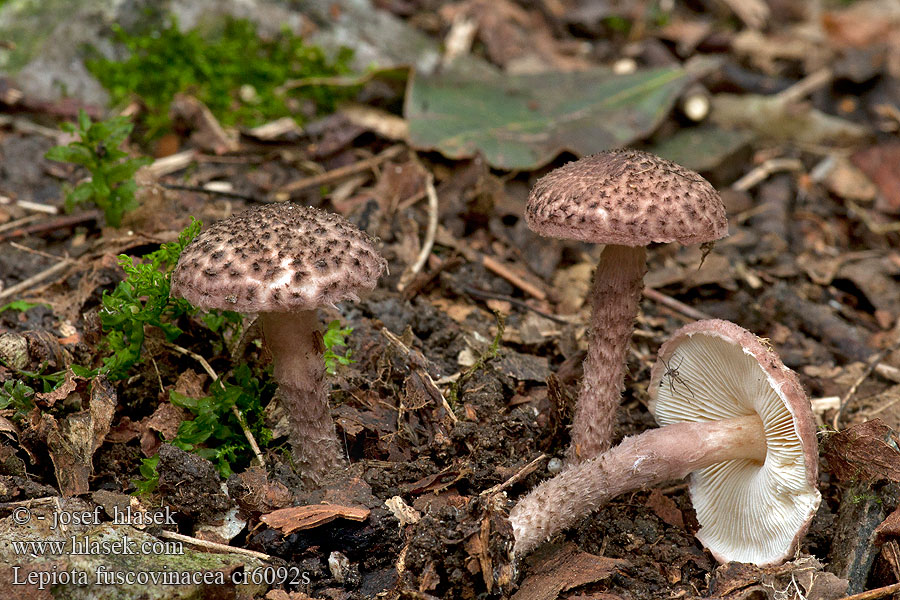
<point x="111" y="186"/>
<point x="237" y="74"/>
<point x="142" y="299"/>
<point x="16" y="395"/>
<point x="334" y="337"/>
<point x="21" y="306"/>
<point x="215" y="433"/>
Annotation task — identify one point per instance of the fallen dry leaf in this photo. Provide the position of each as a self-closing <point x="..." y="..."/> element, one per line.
<point x="288" y="520"/>
<point x="864" y="452"/>
<point x="561" y="569"/>
<point x="73" y="441"/>
<point x="665" y="508"/>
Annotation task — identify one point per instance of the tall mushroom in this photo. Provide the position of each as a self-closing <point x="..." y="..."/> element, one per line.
<point x="284" y="261"/>
<point x="736" y="419"/>
<point x="625" y="199"/>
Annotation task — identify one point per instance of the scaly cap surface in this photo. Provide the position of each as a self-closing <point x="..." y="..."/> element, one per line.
<point x="626" y="197"/>
<point x="277" y="258"/>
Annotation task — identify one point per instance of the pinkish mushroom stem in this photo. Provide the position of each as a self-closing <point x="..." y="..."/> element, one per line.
<point x="641" y="461"/>
<point x="614" y="297"/>
<point x="296" y="347"/>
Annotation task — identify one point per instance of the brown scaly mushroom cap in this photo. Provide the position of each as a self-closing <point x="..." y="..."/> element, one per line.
<point x="277" y="258"/>
<point x="626" y="197"/>
<point x="750" y="511"/>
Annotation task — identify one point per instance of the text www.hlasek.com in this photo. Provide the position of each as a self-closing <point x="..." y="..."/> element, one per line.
<point x="85" y="545"/>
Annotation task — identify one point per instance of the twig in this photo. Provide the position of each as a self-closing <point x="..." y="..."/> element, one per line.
<point x="873" y="362"/>
<point x="53" y="224"/>
<point x="868" y="221"/>
<point x="445" y="238"/>
<point x="674" y="304"/>
<point x="20" y="222"/>
<point x="518" y="476"/>
<point x="202" y="190"/>
<point x="882" y="592"/>
<point x="234" y="409"/>
<point x="34" y="279"/>
<point x="806" y="86"/>
<point x="428" y="242"/>
<point x="37" y="252"/>
<point x="515" y="301"/>
<point x="171" y="535"/>
<point x="39" y="207"/>
<point x="764" y="171"/>
<point x="417" y="362"/>
<point x="337" y="174"/>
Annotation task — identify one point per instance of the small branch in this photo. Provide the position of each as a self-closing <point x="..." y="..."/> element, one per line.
<point x="171" y="535"/>
<point x="428" y="242"/>
<point x="290" y="189"/>
<point x="675" y="304"/>
<point x="521" y="474"/>
<point x="870" y="368"/>
<point x="202" y="190"/>
<point x="417" y="361"/>
<point x="764" y="171"/>
<point x="234" y="409"/>
<point x="876" y="594"/>
<point x="52" y="224"/>
<point x="35" y="279"/>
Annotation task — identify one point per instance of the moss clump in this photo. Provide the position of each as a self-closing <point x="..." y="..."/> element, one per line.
<point x="236" y="73"/>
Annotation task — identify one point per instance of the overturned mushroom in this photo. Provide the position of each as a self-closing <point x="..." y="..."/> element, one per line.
<point x="625" y="199"/>
<point x="735" y="419"/>
<point x="284" y="261"/>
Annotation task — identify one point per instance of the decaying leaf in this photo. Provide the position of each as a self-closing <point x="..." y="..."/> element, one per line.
<point x="559" y="569"/>
<point x="293" y="518"/>
<point x="73" y="441"/>
<point x="802" y="578"/>
<point x="524" y="121"/>
<point x="864" y="452"/>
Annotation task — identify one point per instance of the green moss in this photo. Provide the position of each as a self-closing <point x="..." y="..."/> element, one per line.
<point x="236" y="73"/>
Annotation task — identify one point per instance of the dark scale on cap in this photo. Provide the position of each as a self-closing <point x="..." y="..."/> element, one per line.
<point x="626" y="197"/>
<point x="278" y="257"/>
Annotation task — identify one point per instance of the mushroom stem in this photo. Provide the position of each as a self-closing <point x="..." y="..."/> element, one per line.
<point x="295" y="343"/>
<point x="641" y="461"/>
<point x="614" y="296"/>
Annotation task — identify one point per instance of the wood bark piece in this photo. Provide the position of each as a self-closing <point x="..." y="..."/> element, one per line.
<point x="294" y="518"/>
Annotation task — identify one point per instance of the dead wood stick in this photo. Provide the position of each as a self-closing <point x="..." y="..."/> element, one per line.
<point x="675" y="305"/>
<point x="428" y="243"/>
<point x="870" y="367"/>
<point x="52" y="224"/>
<point x="339" y="173"/>
<point x="762" y="172"/>
<point x="20" y="222"/>
<point x="171" y="535"/>
<point x="234" y="409"/>
<point x="445" y="238"/>
<point x="882" y="592"/>
<point x="515" y="301"/>
<point x="35" y="279"/>
<point x="518" y="476"/>
<point x="202" y="190"/>
<point x="417" y="362"/>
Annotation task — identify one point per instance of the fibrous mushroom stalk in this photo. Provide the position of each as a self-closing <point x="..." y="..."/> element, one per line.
<point x="614" y="297"/>
<point x="641" y="461"/>
<point x="295" y="343"/>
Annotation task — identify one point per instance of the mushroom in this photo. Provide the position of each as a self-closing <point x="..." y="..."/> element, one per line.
<point x="736" y="419"/>
<point x="625" y="199"/>
<point x="284" y="261"/>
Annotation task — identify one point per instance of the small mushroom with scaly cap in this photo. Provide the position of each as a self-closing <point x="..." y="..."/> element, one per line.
<point x="284" y="261"/>
<point x="735" y="419"/>
<point x="627" y="200"/>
